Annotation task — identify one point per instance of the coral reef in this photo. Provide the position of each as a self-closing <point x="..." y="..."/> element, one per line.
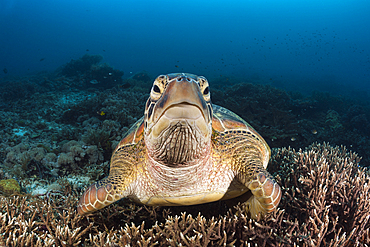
<point x="333" y="121"/>
<point x="39" y="160"/>
<point x="88" y="72"/>
<point x="267" y="109"/>
<point x="326" y="195"/>
<point x="16" y="88"/>
<point x="104" y="76"/>
<point x="34" y="135"/>
<point x="81" y="65"/>
<point x="58" y="131"/>
<point x="291" y="119"/>
<point x="77" y="156"/>
<point x="142" y="76"/>
<point x="25" y="160"/>
<point x="325" y="203"/>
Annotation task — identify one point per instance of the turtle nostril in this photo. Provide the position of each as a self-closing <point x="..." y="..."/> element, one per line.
<point x="188" y="79"/>
<point x="179" y="78"/>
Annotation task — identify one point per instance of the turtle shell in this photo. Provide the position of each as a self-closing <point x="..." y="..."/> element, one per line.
<point x="187" y="151"/>
<point x="226" y="121"/>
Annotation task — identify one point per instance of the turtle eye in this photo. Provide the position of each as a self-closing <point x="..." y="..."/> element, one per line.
<point x="156" y="92"/>
<point x="159" y="86"/>
<point x="156" y="89"/>
<point x="204" y="88"/>
<point x="206" y="91"/>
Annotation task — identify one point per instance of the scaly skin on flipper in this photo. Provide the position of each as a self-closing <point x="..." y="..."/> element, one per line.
<point x="248" y="155"/>
<point x="127" y="155"/>
<point x="186" y="151"/>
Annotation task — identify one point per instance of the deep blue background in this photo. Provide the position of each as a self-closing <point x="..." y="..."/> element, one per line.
<point x="300" y="45"/>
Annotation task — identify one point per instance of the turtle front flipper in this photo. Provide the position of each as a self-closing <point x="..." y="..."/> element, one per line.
<point x="97" y="196"/>
<point x="128" y="155"/>
<point x="266" y="195"/>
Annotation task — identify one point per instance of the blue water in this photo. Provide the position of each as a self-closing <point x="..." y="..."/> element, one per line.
<point x="299" y="45"/>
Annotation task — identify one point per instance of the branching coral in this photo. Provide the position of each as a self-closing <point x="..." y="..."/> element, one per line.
<point x="325" y="203"/>
<point x="27" y="222"/>
<point x="326" y="195"/>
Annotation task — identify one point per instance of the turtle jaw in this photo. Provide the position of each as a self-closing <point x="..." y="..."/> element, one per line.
<point x="180" y="137"/>
<point x="181" y="114"/>
<point x="178" y="120"/>
<point x="179" y="91"/>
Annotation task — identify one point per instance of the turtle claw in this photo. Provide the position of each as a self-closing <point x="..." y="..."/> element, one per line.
<point x="266" y="195"/>
<point x="96" y="197"/>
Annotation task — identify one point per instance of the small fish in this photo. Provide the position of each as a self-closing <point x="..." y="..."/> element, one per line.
<point x="101" y="113"/>
<point x="87" y="50"/>
<point x="94" y="82"/>
<point x="314" y="131"/>
<point x="5" y="70"/>
<point x="42" y="59"/>
<point x="293" y="139"/>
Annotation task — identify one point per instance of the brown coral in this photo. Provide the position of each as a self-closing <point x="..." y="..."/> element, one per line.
<point x="326" y="203"/>
<point x="326" y="196"/>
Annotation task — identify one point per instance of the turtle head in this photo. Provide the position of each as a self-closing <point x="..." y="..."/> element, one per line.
<point x="178" y="119"/>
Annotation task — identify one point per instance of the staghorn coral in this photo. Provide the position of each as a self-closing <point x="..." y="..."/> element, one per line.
<point x="26" y="222"/>
<point x="325" y="203"/>
<point x="326" y="196"/>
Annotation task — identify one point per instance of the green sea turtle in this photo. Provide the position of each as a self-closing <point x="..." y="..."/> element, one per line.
<point x="187" y="151"/>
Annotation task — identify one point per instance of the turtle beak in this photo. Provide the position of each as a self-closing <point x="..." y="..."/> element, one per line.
<point x="182" y="91"/>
